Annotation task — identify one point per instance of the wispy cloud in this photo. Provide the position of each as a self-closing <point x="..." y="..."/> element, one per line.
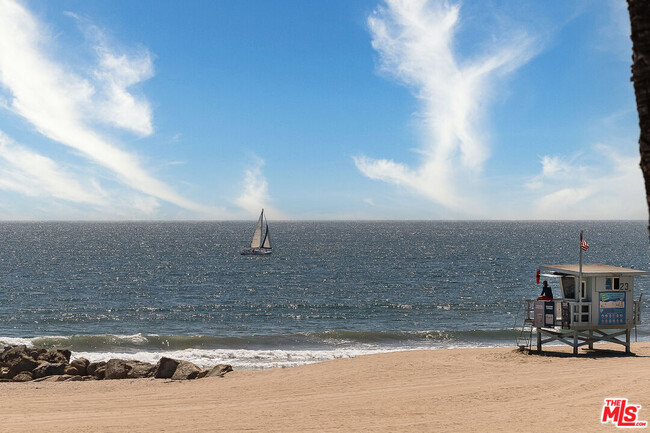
<point x="27" y="172"/>
<point x="64" y="105"/>
<point x="613" y="34"/>
<point x="34" y="175"/>
<point x="255" y="194"/>
<point x="114" y="75"/>
<point x="600" y="183"/>
<point x="416" y="44"/>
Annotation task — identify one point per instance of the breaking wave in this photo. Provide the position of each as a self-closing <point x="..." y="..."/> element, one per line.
<point x="254" y="352"/>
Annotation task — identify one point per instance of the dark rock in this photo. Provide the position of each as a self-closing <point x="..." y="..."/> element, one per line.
<point x="56" y="356"/>
<point x="17" y="363"/>
<point x="116" y="369"/>
<point x="23" y="376"/>
<point x="138" y="369"/>
<point x="15" y="359"/>
<point x="23" y="364"/>
<point x="203" y="373"/>
<point x="97" y="369"/>
<point x="93" y="366"/>
<point x="13" y="352"/>
<point x="49" y="369"/>
<point x="165" y="368"/>
<point x="122" y="369"/>
<point x="72" y="371"/>
<point x="35" y="352"/>
<point x="186" y="370"/>
<point x="81" y="364"/>
<point x="219" y="370"/>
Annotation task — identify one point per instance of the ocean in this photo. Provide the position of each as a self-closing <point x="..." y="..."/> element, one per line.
<point x="142" y="290"/>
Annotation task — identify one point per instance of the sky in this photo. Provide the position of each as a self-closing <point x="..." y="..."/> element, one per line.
<point x="337" y="109"/>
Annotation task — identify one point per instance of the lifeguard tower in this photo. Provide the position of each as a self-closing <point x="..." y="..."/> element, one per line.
<point x="596" y="304"/>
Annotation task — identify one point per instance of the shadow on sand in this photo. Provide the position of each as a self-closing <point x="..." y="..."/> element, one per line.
<point x="583" y="353"/>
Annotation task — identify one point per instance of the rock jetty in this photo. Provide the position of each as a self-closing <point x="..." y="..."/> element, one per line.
<point x="24" y="364"/>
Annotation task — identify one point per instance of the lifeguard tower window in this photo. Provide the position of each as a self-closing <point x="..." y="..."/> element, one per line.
<point x="568" y="287"/>
<point x="611" y="284"/>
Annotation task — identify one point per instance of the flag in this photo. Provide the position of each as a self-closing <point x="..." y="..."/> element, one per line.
<point x="584" y="245"/>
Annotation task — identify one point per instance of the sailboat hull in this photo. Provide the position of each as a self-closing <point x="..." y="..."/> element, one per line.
<point x="256" y="251"/>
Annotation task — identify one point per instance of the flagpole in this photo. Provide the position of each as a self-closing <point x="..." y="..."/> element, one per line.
<point x="580" y="282"/>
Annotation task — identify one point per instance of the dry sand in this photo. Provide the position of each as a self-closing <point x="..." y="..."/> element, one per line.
<point x="439" y="390"/>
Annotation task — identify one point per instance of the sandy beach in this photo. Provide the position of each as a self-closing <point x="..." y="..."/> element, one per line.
<point x="436" y="390"/>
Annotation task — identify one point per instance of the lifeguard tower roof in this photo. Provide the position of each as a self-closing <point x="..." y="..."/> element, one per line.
<point x="590" y="270"/>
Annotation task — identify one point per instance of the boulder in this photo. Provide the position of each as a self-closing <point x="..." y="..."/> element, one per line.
<point x="81" y="364"/>
<point x="72" y="371"/>
<point x="94" y="366"/>
<point x="23" y="376"/>
<point x="186" y="370"/>
<point x="138" y="369"/>
<point x="56" y="356"/>
<point x="97" y="369"/>
<point x="17" y="363"/>
<point x="121" y="369"/>
<point x="165" y="368"/>
<point x="20" y="364"/>
<point x="13" y="352"/>
<point x="15" y="359"/>
<point x="35" y="352"/>
<point x="116" y="369"/>
<point x="49" y="369"/>
<point x="219" y="370"/>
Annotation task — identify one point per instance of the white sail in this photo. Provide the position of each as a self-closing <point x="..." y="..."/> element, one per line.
<point x="256" y="242"/>
<point x="261" y="242"/>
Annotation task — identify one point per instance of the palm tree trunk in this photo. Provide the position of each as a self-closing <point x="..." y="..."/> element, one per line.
<point x="640" y="21"/>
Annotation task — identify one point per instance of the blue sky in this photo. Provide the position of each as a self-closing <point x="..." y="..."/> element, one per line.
<point x="475" y="109"/>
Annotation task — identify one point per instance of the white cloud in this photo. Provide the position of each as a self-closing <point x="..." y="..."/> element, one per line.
<point x="32" y="174"/>
<point x="255" y="194"/>
<point x="415" y="41"/>
<point x="62" y="104"/>
<point x="599" y="184"/>
<point x="114" y="76"/>
<point x="121" y="108"/>
<point x="554" y="166"/>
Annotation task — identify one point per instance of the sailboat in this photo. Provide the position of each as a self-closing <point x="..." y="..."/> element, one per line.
<point x="261" y="242"/>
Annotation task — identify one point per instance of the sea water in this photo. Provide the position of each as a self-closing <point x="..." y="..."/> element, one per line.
<point x="141" y="290"/>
